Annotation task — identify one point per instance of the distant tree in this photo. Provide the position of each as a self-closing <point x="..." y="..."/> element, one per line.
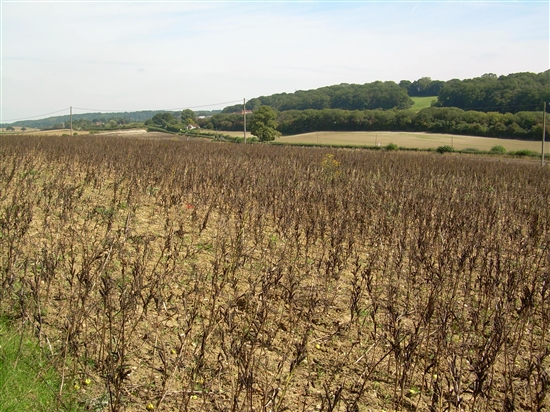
<point x="188" y="116"/>
<point x="434" y="88"/>
<point x="264" y="124"/>
<point x="405" y="84"/>
<point x="445" y="149"/>
<point x="23" y="128"/>
<point x="164" y="119"/>
<point x="424" y="86"/>
<point x="236" y="108"/>
<point x="418" y="87"/>
<point x="10" y="129"/>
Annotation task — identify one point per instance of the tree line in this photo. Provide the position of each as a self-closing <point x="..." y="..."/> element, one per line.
<point x="96" y="120"/>
<point x="521" y="125"/>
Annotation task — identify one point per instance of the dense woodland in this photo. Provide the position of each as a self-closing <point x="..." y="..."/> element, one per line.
<point x="376" y="95"/>
<point x="511" y="93"/>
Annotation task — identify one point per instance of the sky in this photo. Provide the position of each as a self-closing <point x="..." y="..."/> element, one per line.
<point x="115" y="56"/>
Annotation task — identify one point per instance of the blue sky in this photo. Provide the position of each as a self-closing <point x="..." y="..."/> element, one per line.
<point x="149" y="55"/>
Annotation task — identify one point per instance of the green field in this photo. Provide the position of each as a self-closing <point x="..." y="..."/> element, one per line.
<point x="422" y="102"/>
<point x="409" y="140"/>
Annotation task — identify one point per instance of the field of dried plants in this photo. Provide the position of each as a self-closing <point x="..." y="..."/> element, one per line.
<point x="202" y="276"/>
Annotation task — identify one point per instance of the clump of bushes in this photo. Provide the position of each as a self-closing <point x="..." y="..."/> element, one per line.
<point x="498" y="149"/>
<point x="445" y="149"/>
<point x="524" y="152"/>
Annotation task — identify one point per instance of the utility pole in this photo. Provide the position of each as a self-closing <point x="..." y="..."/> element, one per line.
<point x="543" y="133"/>
<point x="244" y="113"/>
<point x="71" y="120"/>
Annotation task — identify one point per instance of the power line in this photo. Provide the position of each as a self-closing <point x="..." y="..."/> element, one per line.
<point x="205" y="105"/>
<point x="116" y="111"/>
<point x="100" y="110"/>
<point x="168" y="110"/>
<point x="32" y="117"/>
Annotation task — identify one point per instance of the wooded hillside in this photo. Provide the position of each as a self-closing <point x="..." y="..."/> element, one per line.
<point x="488" y="93"/>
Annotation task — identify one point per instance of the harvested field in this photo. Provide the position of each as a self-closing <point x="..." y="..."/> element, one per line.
<point x="410" y="140"/>
<point x="200" y="276"/>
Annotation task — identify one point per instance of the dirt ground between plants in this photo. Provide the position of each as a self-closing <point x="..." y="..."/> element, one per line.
<point x="192" y="275"/>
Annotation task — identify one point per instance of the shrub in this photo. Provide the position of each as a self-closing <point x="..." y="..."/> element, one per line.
<point x="524" y="152"/>
<point x="391" y="146"/>
<point x="445" y="149"/>
<point x="498" y="149"/>
<point x="176" y="128"/>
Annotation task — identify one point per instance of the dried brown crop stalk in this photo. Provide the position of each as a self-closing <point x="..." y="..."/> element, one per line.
<point x="192" y="275"/>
